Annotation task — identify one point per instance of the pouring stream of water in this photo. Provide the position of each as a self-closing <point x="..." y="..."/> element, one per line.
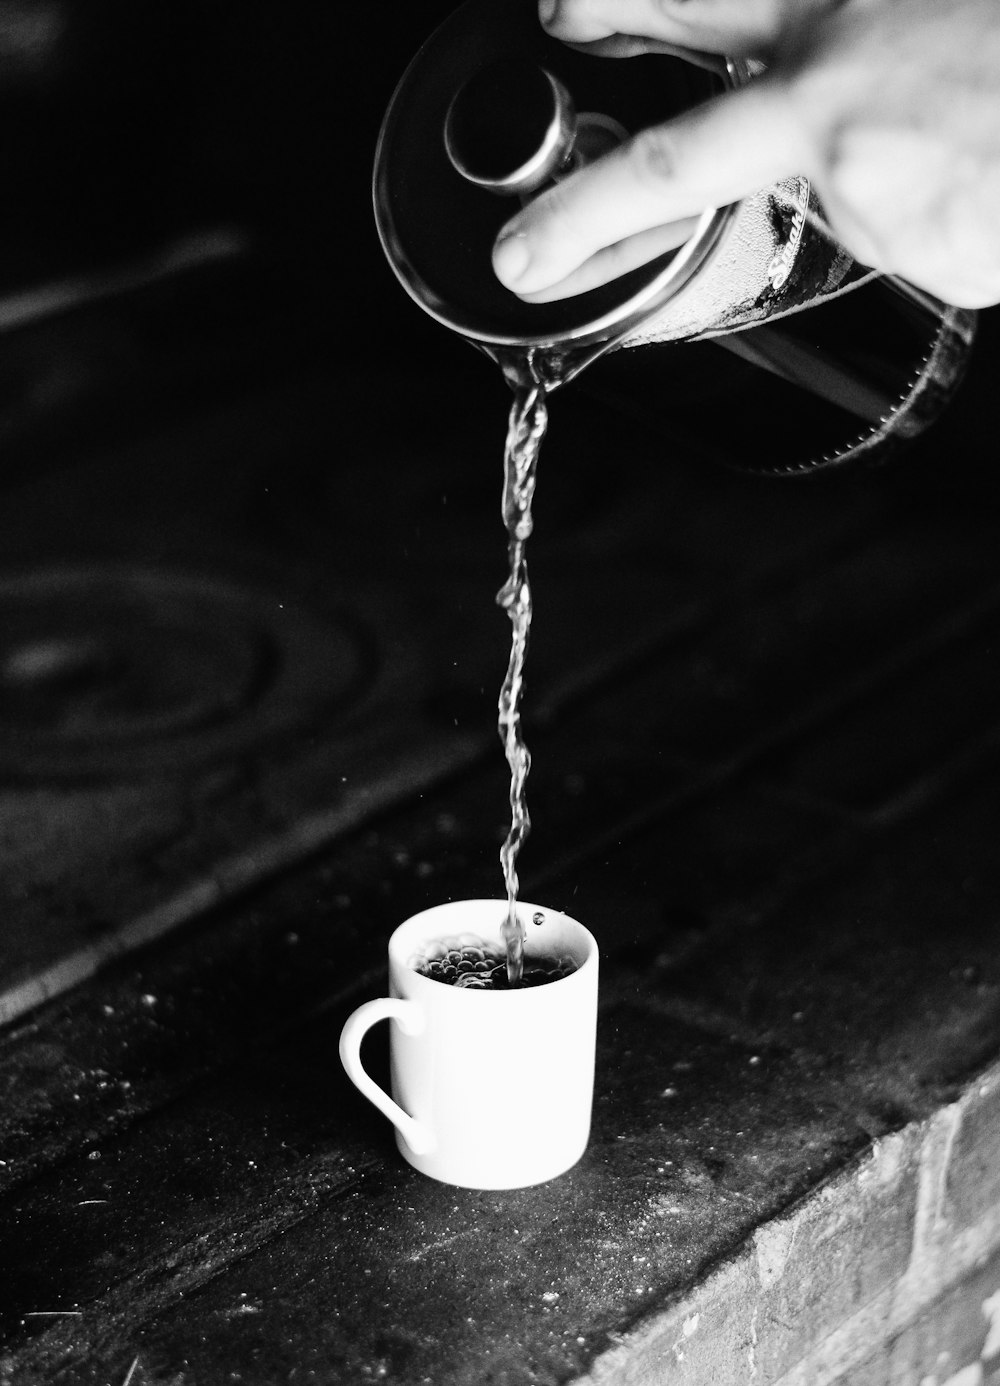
<point x="526" y="429"/>
<point x="532" y="375"/>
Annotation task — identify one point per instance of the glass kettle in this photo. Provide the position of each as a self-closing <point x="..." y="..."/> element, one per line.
<point x="760" y="337"/>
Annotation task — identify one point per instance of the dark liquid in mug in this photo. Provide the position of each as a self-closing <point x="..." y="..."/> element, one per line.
<point x="482" y="969"/>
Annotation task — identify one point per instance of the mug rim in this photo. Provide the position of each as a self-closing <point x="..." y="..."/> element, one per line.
<point x="400" y="950"/>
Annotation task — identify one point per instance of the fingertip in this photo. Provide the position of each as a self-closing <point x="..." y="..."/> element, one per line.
<point x="511" y="258"/>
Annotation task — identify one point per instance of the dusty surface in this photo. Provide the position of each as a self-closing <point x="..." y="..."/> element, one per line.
<point x="765" y="738"/>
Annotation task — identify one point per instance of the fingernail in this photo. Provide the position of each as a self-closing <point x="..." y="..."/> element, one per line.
<point x="511" y="257"/>
<point x="547" y="11"/>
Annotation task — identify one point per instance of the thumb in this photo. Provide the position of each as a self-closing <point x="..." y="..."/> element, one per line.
<point x="578" y="233"/>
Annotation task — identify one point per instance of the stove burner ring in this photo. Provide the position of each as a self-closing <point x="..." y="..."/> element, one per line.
<point x="121" y="669"/>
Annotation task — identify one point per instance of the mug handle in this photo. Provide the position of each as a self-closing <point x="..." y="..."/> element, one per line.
<point x="410" y="1018"/>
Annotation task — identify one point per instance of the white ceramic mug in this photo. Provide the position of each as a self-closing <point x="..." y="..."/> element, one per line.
<point x="490" y="1089"/>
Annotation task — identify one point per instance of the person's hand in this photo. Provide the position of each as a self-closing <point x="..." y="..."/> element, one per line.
<point x="890" y="107"/>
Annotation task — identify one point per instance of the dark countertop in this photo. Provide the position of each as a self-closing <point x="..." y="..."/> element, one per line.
<point x="764" y="724"/>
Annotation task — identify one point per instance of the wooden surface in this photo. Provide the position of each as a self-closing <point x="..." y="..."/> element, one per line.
<point x="763" y="718"/>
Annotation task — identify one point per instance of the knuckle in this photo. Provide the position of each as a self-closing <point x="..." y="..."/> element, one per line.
<point x="552" y="16"/>
<point x="668" y="10"/>
<point x="570" y="19"/>
<point x="655" y="158"/>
